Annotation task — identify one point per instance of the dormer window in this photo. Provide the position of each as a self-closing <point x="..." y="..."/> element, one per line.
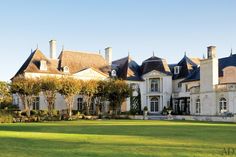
<point x="113" y="73"/>
<point x="43" y="65"/>
<point x="66" y="69"/>
<point x="176" y="70"/>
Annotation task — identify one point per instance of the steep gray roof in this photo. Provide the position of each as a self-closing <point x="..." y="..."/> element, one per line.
<point x="155" y="63"/>
<point x="127" y="69"/>
<point x="222" y="63"/>
<point x="187" y="66"/>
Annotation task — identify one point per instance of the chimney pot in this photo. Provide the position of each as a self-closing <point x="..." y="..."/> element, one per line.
<point x="53" y="49"/>
<point x="108" y="55"/>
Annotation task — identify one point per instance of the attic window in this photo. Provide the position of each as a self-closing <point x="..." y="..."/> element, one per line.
<point x="176" y="70"/>
<point x="66" y="69"/>
<point x="43" y="65"/>
<point x="113" y="73"/>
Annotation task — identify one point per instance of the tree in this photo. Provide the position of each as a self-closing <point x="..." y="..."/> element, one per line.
<point x="27" y="89"/>
<point x="101" y="95"/>
<point x="88" y="91"/>
<point x="118" y="91"/>
<point x="69" y="89"/>
<point x="5" y="93"/>
<point x="50" y="86"/>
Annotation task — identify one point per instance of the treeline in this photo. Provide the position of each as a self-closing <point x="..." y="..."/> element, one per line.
<point x="113" y="90"/>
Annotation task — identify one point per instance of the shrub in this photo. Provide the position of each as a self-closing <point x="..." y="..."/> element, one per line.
<point x="5" y="117"/>
<point x="33" y="112"/>
<point x="23" y="113"/>
<point x="164" y="111"/>
<point x="145" y="108"/>
<point x="133" y="111"/>
<point x="43" y="113"/>
<point x="55" y="112"/>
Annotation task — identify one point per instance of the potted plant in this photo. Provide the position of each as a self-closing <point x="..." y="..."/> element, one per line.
<point x="145" y="112"/>
<point x="169" y="110"/>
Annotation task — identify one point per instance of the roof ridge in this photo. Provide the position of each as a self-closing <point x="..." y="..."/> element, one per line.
<point x="121" y="59"/>
<point x="84" y="52"/>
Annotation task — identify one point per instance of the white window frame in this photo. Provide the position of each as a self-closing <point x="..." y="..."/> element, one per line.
<point x="198" y="106"/>
<point x="223" y="105"/>
<point x="43" y="65"/>
<point x="154" y="85"/>
<point x="176" y="70"/>
<point x="154" y="104"/>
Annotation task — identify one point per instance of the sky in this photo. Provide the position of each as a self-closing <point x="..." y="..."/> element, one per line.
<point x="140" y="27"/>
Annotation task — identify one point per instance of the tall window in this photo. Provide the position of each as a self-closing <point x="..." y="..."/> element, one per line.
<point x="198" y="106"/>
<point x="154" y="85"/>
<point x="35" y="103"/>
<point x="176" y="70"/>
<point x="223" y="105"/>
<point x="80" y="104"/>
<point x="154" y="104"/>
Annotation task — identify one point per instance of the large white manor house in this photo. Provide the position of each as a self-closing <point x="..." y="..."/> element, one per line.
<point x="192" y="86"/>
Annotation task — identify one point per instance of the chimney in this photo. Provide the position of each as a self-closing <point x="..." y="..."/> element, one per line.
<point x="211" y="52"/>
<point x="53" y="49"/>
<point x="108" y="55"/>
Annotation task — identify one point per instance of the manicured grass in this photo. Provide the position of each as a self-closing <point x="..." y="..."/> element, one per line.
<point x="117" y="138"/>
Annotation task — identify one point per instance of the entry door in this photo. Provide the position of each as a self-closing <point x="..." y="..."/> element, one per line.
<point x="154" y="104"/>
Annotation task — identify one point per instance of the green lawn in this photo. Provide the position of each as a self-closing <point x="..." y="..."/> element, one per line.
<point x="117" y="138"/>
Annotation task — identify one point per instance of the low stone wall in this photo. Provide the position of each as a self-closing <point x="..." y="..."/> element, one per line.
<point x="188" y="117"/>
<point x="206" y="118"/>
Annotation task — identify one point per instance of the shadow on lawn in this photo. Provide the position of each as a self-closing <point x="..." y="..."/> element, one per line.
<point x="181" y="132"/>
<point x="38" y="147"/>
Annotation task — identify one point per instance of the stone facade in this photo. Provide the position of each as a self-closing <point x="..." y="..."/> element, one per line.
<point x="191" y="87"/>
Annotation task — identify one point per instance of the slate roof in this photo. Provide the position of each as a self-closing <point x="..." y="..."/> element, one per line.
<point x="127" y="69"/>
<point x="223" y="62"/>
<point x="76" y="61"/>
<point x="155" y="63"/>
<point x="187" y="66"/>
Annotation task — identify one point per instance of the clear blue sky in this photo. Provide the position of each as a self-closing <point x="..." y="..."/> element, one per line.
<point x="141" y="26"/>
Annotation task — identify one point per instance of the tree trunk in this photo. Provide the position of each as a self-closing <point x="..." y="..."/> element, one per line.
<point x="28" y="111"/>
<point x="70" y="110"/>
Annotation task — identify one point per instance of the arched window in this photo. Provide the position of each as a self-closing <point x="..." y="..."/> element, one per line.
<point x="198" y="106"/>
<point x="154" y="85"/>
<point x="66" y="69"/>
<point x="223" y="105"/>
<point x="154" y="104"/>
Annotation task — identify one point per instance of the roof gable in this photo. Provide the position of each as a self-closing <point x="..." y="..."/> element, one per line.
<point x="32" y="64"/>
<point x="90" y="74"/>
<point x="154" y="73"/>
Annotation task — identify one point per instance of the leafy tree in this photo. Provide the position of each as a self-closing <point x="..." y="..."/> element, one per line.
<point x="50" y="86"/>
<point x="88" y="91"/>
<point x="27" y="89"/>
<point x="101" y="95"/>
<point x="118" y="91"/>
<point x="69" y="89"/>
<point x="5" y="93"/>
